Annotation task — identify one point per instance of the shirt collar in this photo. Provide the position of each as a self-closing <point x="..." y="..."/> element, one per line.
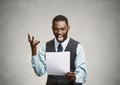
<point x="64" y="44"/>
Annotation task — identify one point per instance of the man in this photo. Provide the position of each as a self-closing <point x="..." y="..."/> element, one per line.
<point x="62" y="42"/>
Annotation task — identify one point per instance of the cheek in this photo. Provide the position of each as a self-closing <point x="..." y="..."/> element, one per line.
<point x="55" y="33"/>
<point x="65" y="33"/>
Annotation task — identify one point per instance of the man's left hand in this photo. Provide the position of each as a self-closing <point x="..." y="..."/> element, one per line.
<point x="70" y="75"/>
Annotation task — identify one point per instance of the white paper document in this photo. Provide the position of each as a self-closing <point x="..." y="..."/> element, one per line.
<point x="58" y="63"/>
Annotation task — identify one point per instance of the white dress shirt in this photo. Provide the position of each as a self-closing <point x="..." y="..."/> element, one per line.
<point x="39" y="62"/>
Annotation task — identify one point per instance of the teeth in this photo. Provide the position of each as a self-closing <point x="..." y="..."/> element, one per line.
<point x="59" y="35"/>
<point x="60" y="38"/>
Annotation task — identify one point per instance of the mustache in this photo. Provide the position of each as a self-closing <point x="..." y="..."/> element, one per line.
<point x="59" y="36"/>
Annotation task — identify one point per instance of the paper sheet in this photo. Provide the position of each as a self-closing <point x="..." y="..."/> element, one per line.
<point x="58" y="63"/>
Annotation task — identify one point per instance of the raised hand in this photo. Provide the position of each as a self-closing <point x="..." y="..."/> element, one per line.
<point x="33" y="44"/>
<point x="70" y="75"/>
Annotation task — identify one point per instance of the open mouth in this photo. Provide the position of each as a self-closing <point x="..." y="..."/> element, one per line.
<point x="60" y="38"/>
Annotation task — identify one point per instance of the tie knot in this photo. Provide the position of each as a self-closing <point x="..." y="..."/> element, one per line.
<point x="60" y="48"/>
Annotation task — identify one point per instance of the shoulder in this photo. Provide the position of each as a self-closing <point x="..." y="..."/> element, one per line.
<point x="74" y="41"/>
<point x="50" y="41"/>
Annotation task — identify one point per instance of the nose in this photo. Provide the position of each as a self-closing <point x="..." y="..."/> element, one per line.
<point x="59" y="31"/>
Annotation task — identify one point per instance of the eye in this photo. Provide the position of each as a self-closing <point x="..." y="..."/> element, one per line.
<point x="55" y="29"/>
<point x="63" y="28"/>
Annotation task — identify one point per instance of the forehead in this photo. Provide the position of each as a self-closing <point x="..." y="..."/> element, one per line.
<point x="59" y="24"/>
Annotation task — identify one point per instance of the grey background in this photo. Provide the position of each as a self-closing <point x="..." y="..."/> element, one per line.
<point x="95" y="23"/>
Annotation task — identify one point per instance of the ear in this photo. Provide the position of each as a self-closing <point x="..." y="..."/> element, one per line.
<point x="68" y="27"/>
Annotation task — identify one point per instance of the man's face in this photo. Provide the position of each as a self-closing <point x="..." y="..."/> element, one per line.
<point x="60" y="30"/>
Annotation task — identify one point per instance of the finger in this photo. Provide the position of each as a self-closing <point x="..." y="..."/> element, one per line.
<point x="70" y="72"/>
<point x="72" y="78"/>
<point x="70" y="75"/>
<point x="37" y="42"/>
<point x="32" y="38"/>
<point x="29" y="39"/>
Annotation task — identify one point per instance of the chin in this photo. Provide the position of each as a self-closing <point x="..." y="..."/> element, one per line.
<point x="61" y="41"/>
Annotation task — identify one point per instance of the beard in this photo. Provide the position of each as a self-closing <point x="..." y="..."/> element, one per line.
<point x="61" y="38"/>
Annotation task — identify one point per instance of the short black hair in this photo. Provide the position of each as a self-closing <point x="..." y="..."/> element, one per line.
<point x="60" y="18"/>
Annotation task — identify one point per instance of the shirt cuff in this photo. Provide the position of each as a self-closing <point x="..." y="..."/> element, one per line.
<point x="35" y="58"/>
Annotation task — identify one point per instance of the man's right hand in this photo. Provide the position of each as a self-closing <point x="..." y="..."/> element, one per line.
<point x="33" y="44"/>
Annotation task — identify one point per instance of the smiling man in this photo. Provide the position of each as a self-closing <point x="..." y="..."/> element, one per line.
<point x="62" y="42"/>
